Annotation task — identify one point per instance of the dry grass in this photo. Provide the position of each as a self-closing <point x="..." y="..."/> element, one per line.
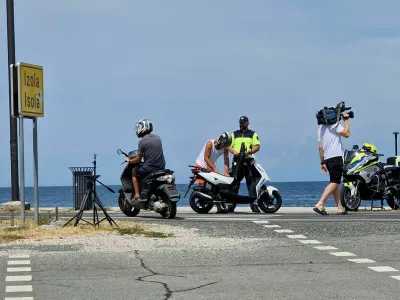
<point x="7" y="210"/>
<point x="31" y="231"/>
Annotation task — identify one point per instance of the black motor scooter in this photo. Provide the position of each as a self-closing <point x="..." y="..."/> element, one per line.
<point x="158" y="191"/>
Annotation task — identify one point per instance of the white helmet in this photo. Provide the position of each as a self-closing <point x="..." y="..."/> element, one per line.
<point x="143" y="126"/>
<point x="225" y="139"/>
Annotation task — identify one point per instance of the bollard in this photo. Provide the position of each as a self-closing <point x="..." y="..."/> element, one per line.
<point x="12" y="218"/>
<point x="56" y="213"/>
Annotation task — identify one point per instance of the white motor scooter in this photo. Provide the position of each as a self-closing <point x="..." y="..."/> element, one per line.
<point x="224" y="190"/>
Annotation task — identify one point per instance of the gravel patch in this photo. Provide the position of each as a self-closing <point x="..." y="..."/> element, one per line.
<point x="184" y="238"/>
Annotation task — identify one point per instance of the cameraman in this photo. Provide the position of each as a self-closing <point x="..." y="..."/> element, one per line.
<point x="331" y="152"/>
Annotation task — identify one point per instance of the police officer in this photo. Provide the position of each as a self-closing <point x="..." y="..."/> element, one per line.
<point x="252" y="143"/>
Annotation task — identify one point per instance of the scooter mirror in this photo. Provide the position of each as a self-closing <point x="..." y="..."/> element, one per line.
<point x="355" y="147"/>
<point x="119" y="151"/>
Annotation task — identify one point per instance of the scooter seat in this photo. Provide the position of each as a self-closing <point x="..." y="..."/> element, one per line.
<point x="158" y="173"/>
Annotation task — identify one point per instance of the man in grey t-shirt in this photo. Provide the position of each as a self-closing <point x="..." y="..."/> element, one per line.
<point x="150" y="149"/>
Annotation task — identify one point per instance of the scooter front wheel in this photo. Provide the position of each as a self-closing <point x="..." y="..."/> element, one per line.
<point x="270" y="204"/>
<point x="126" y="208"/>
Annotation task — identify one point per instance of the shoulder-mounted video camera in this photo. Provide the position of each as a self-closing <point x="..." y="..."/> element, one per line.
<point x="332" y="115"/>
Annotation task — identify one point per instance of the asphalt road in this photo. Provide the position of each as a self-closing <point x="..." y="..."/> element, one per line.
<point x="287" y="255"/>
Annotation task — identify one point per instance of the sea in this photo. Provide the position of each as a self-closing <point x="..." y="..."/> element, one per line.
<point x="294" y="194"/>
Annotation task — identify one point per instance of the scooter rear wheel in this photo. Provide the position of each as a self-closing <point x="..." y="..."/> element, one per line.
<point x="170" y="213"/>
<point x="126" y="208"/>
<point x="265" y="201"/>
<point x="197" y="206"/>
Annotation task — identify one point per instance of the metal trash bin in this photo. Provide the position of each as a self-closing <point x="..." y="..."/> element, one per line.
<point x="79" y="183"/>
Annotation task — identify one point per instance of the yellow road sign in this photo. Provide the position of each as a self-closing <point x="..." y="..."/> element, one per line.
<point x="30" y="90"/>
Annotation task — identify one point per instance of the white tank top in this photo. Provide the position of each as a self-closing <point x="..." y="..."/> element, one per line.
<point x="213" y="155"/>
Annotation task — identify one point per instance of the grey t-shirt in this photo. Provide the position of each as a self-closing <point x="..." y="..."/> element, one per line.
<point x="150" y="147"/>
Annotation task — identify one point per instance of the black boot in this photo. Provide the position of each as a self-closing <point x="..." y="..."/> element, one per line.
<point x="221" y="210"/>
<point x="254" y="208"/>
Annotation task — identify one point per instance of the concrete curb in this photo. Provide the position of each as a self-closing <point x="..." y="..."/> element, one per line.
<point x="282" y="210"/>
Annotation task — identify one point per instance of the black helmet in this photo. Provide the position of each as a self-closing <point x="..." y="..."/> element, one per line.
<point x="225" y="139"/>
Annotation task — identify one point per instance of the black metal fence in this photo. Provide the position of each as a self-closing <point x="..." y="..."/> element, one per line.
<point x="79" y="183"/>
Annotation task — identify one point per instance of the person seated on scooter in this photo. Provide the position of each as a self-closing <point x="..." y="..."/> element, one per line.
<point x="151" y="150"/>
<point x="252" y="143"/>
<point x="210" y="153"/>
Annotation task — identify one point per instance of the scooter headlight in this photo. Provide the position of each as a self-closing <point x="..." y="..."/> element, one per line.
<point x="168" y="178"/>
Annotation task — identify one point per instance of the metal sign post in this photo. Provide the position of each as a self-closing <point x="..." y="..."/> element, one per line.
<point x="12" y="99"/>
<point x="35" y="172"/>
<point x="22" y="168"/>
<point x="395" y="142"/>
<point x="29" y="105"/>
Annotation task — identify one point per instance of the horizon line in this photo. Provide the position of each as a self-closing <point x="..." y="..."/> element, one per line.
<point x="98" y="185"/>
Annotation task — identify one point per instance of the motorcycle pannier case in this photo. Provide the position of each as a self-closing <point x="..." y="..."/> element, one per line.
<point x="394" y="161"/>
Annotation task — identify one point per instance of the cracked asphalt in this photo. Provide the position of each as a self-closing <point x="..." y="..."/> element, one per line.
<point x="261" y="264"/>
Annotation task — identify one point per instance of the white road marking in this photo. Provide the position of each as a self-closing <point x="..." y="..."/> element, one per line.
<point x="342" y="253"/>
<point x="296" y="236"/>
<point x="325" y="248"/>
<point x="383" y="269"/>
<point x="18" y="288"/>
<point x="361" y="260"/>
<point x="19" y="262"/>
<point x="339" y="254"/>
<point x="310" y="242"/>
<point x="20" y="269"/>
<point x="206" y="219"/>
<point x="283" y="230"/>
<point x="19" y="256"/>
<point x="19" y="278"/>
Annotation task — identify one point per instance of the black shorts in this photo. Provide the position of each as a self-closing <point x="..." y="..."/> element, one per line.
<point x="335" y="168"/>
<point x="142" y="171"/>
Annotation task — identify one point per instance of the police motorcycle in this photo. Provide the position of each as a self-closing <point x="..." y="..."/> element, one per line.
<point x="158" y="191"/>
<point x="223" y="189"/>
<point x="365" y="177"/>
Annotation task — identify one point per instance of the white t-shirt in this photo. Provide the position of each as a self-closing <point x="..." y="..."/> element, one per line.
<point x="331" y="141"/>
<point x="214" y="155"/>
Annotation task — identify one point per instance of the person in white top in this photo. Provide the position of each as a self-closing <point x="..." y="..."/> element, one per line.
<point x="212" y="150"/>
<point x="209" y="154"/>
<point x="331" y="155"/>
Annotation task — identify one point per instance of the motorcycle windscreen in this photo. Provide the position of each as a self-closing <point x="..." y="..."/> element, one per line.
<point x="349" y="155"/>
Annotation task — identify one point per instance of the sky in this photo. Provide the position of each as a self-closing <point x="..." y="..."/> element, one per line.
<point x="193" y="68"/>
